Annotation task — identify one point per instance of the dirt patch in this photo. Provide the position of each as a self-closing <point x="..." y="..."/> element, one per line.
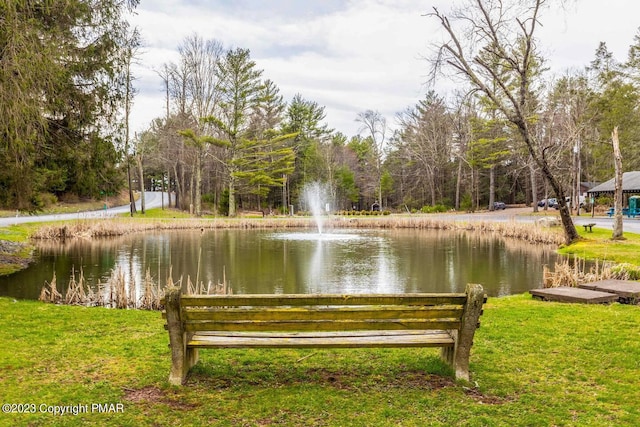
<point x="149" y="394"/>
<point x="153" y="395"/>
<point x="479" y="397"/>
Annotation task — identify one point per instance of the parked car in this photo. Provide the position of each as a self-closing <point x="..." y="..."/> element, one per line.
<point x="498" y="205"/>
<point x="568" y="199"/>
<point x="552" y="202"/>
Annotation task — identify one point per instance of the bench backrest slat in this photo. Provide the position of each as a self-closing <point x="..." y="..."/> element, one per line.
<point x="342" y="325"/>
<point x="325" y="299"/>
<point x="322" y="313"/>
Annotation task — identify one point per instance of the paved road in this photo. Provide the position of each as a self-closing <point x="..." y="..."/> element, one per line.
<point x="153" y="199"/>
<point x="523" y="215"/>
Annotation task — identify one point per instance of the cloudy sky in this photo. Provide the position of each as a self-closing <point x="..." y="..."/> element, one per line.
<point x="350" y="55"/>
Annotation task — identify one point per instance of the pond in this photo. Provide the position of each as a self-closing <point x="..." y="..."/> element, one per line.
<point x="267" y="261"/>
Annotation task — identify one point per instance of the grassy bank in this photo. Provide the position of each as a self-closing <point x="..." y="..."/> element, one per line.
<point x="533" y="364"/>
<point x="15" y="250"/>
<point x="598" y="245"/>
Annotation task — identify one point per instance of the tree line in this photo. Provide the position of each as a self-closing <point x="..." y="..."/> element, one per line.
<point x="228" y="140"/>
<point x="62" y="68"/>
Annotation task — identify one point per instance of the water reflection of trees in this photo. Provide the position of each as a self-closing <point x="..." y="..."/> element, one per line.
<point x="503" y="266"/>
<point x="396" y="260"/>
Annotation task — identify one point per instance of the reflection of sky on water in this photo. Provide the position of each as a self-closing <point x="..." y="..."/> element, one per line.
<point x="347" y="262"/>
<point x="314" y="237"/>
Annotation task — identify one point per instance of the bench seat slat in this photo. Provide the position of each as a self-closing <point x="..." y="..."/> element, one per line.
<point x="322" y="313"/>
<point x="297" y="300"/>
<point x="312" y="333"/>
<point x="323" y="340"/>
<point x="331" y="325"/>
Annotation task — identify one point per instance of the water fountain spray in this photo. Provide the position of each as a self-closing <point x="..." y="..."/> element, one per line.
<point x="315" y="195"/>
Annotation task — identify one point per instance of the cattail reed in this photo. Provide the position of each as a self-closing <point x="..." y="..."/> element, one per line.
<point x="574" y="273"/>
<point x="118" y="292"/>
<point x="49" y="292"/>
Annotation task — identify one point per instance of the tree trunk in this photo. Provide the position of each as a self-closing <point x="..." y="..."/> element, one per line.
<point x="179" y="195"/>
<point x="617" y="157"/>
<point x="570" y="232"/>
<point x="232" y="197"/>
<point x="534" y="186"/>
<point x="132" y="200"/>
<point x="141" y="177"/>
<point x="458" y="180"/>
<point x="492" y="186"/>
<point x="432" y="185"/>
<point x="198" y="183"/>
<point x="191" y="189"/>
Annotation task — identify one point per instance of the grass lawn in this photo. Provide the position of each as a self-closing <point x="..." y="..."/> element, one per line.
<point x="533" y="364"/>
<point x="598" y="245"/>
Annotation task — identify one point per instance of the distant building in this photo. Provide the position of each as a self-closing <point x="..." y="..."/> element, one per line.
<point x="630" y="185"/>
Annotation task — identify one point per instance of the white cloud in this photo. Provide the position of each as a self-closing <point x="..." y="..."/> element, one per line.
<point x="348" y="56"/>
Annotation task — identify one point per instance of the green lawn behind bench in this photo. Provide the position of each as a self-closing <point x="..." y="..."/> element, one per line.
<point x="533" y="364"/>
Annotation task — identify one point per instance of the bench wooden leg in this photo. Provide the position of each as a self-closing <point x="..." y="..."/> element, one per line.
<point x="180" y="357"/>
<point x="192" y="357"/>
<point x="470" y="317"/>
<point x="446" y="354"/>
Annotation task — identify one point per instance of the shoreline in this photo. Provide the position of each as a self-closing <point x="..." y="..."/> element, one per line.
<point x="17" y="248"/>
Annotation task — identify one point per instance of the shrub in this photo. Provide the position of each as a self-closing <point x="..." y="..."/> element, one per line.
<point x="630" y="271"/>
<point x="434" y="209"/>
<point x="604" y="201"/>
<point x="223" y="206"/>
<point x="466" y="204"/>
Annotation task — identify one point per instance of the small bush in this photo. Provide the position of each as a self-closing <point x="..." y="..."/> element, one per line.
<point x="630" y="271"/>
<point x="466" y="204"/>
<point x="604" y="201"/>
<point x="434" y="209"/>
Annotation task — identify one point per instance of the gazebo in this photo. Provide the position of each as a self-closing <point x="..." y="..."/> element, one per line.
<point x="630" y="185"/>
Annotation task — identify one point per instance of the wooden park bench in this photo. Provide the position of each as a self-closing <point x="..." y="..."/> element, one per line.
<point x="589" y="226"/>
<point x="447" y="320"/>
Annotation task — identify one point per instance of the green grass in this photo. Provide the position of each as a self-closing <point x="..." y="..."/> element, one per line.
<point x="16" y="258"/>
<point x="159" y="213"/>
<point x="533" y="364"/>
<point x="598" y="245"/>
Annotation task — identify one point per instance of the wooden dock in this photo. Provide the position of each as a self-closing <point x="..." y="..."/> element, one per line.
<point x="575" y="295"/>
<point x="600" y="292"/>
<point x="628" y="291"/>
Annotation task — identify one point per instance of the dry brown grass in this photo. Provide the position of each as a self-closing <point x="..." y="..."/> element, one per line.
<point x="118" y="292"/>
<point x="574" y="272"/>
<point x="530" y="232"/>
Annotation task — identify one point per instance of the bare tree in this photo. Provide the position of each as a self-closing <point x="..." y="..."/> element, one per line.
<point x="131" y="52"/>
<point x="617" y="220"/>
<point x="427" y="130"/>
<point x="201" y="59"/>
<point x="492" y="46"/>
<point x="375" y="125"/>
